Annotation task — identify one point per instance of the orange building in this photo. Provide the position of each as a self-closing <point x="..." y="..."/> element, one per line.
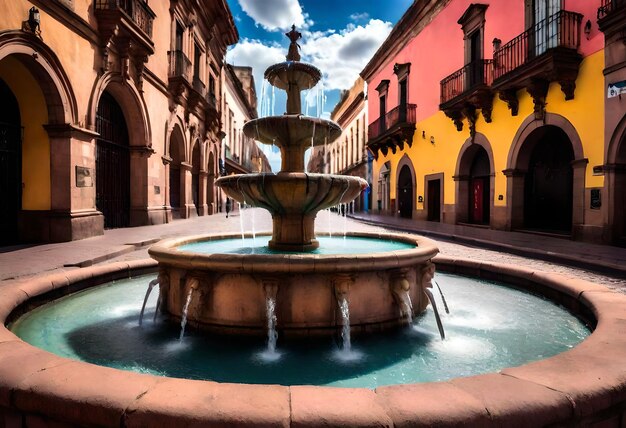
<point x="493" y="114"/>
<point x="110" y="115"/>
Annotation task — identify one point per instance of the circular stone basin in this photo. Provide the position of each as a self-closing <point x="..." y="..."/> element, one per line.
<point x="489" y="327"/>
<point x="304" y="75"/>
<point x="230" y="291"/>
<point x="582" y="386"/>
<point x="292" y="130"/>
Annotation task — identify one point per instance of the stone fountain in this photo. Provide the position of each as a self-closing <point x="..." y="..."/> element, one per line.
<point x="228" y="292"/>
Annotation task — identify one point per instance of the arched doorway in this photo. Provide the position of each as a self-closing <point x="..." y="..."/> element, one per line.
<point x="548" y="184"/>
<point x="615" y="177"/>
<point x="210" y="185"/>
<point x="112" y="163"/>
<point x="176" y="153"/>
<point x="10" y="165"/>
<point x="195" y="176"/>
<point x="405" y="192"/>
<point x="479" y="188"/>
<point x="383" y="188"/>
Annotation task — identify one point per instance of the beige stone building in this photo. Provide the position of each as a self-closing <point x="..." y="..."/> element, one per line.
<point x="347" y="155"/>
<point x="111" y="114"/>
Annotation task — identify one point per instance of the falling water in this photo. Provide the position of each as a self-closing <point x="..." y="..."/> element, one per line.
<point x="273" y="100"/>
<point x="437" y="317"/>
<point x="409" y="307"/>
<point x="263" y="113"/>
<point x="272" y="335"/>
<point x="156" y="308"/>
<point x="243" y="235"/>
<point x="443" y="299"/>
<point x="145" y="300"/>
<point x="330" y="230"/>
<point x="345" y="330"/>
<point x="183" y="321"/>
<point x="253" y="215"/>
<point x="345" y="217"/>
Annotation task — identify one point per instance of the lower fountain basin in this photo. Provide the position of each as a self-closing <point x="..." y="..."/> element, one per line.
<point x="582" y="386"/>
<point x="230" y="290"/>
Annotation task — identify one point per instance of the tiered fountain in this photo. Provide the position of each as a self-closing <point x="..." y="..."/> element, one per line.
<point x="308" y="289"/>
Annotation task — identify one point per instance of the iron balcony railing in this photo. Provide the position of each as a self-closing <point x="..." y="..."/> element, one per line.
<point x="180" y="65"/>
<point x="210" y="97"/>
<point x="559" y="30"/>
<point x="137" y="10"/>
<point x="609" y="6"/>
<point x="476" y="73"/>
<point x="198" y="86"/>
<point x="401" y="114"/>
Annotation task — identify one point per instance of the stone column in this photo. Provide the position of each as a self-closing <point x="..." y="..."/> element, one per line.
<point x="514" y="198"/>
<point x="187" y="208"/>
<point x="73" y="213"/>
<point x="202" y="194"/>
<point x="140" y="212"/>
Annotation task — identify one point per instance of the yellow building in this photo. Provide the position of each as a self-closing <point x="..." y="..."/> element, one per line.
<point x="110" y="113"/>
<point x="492" y="115"/>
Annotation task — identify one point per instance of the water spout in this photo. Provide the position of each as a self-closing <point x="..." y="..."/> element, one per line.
<point x="243" y="236"/>
<point x="443" y="299"/>
<point x="345" y="329"/>
<point x="272" y="335"/>
<point x="183" y="321"/>
<point x="437" y="318"/>
<point x="145" y="300"/>
<point x="408" y="307"/>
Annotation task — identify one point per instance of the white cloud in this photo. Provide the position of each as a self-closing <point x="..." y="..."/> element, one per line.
<point x="359" y="16"/>
<point x="342" y="55"/>
<point x="259" y="56"/>
<point x="276" y="15"/>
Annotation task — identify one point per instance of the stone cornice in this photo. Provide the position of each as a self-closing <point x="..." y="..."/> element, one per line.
<point x="69" y="18"/>
<point x="414" y="20"/>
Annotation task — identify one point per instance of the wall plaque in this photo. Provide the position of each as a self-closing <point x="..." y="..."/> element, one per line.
<point x="596" y="200"/>
<point x="84" y="176"/>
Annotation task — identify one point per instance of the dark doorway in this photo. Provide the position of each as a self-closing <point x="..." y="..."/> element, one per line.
<point x="434" y="200"/>
<point x="177" y="156"/>
<point x="195" y="177"/>
<point x="548" y="189"/>
<point x="480" y="183"/>
<point x="10" y="165"/>
<point x="476" y="64"/>
<point x="112" y="164"/>
<point x="382" y="102"/>
<point x="405" y="192"/>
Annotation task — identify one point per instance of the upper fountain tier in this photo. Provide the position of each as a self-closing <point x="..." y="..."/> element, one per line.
<point x="293" y="198"/>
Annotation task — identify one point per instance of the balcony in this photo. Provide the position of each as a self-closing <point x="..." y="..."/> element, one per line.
<point x="467" y="90"/>
<point x="179" y="76"/>
<point x="126" y="20"/>
<point x="612" y="17"/>
<point x="544" y="53"/>
<point x="392" y="130"/>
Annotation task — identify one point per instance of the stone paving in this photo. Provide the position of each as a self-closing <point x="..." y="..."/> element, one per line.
<point x="20" y="262"/>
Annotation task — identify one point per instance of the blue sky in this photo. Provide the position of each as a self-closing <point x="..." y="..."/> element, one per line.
<point x="339" y="37"/>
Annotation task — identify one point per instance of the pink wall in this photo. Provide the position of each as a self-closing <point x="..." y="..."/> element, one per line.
<point x="438" y="50"/>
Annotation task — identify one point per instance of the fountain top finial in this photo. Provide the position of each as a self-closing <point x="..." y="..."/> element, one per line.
<point x="293" y="54"/>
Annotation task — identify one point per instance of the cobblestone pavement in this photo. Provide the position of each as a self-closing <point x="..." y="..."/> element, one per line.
<point x="450" y="249"/>
<point x="133" y="243"/>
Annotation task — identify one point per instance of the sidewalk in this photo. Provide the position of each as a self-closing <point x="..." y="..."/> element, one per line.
<point x="600" y="258"/>
<point x="23" y="261"/>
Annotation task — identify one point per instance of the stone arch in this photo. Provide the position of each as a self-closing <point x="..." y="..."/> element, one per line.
<point x="140" y="138"/>
<point x="46" y="67"/>
<point x="519" y="158"/>
<point x="54" y="220"/>
<point x="131" y="102"/>
<point x="175" y="127"/>
<point x="463" y="178"/>
<point x="405" y="187"/>
<point x="615" y="185"/>
<point x="175" y="171"/>
<point x="210" y="187"/>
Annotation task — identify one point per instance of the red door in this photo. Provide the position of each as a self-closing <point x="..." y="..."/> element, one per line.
<point x="477" y="202"/>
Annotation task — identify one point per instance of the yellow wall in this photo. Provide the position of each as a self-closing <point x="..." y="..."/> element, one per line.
<point x="585" y="112"/>
<point x="35" y="144"/>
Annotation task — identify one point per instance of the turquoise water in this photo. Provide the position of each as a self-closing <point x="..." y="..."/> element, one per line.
<point x="328" y="245"/>
<point x="490" y="327"/>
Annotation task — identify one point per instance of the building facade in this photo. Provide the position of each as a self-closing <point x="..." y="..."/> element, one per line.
<point x="499" y="123"/>
<point x="112" y="115"/>
<point x="241" y="154"/>
<point x="347" y="154"/>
